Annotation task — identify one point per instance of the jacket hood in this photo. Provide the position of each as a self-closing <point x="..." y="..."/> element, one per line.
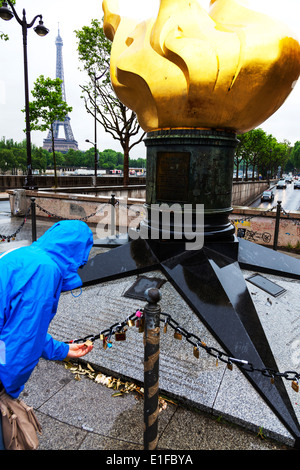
<point x="68" y="243"/>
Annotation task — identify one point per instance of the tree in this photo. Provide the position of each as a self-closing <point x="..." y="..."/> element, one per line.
<point x="7" y="160"/>
<point x="47" y="107"/>
<point x="295" y="155"/>
<point x="39" y="159"/>
<point x="99" y="97"/>
<point x="261" y="152"/>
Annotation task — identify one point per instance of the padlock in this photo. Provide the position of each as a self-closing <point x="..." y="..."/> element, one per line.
<point x="229" y="365"/>
<point x="295" y="385"/>
<point x="177" y="335"/>
<point x="88" y="343"/>
<point x="120" y="335"/>
<point x="131" y="323"/>
<point x="142" y="325"/>
<point x="196" y="352"/>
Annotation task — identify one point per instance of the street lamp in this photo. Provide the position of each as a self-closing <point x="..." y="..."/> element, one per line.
<point x="6" y="14"/>
<point x="95" y="121"/>
<point x="96" y="159"/>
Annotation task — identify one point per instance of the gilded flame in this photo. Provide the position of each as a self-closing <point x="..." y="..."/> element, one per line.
<point x="230" y="69"/>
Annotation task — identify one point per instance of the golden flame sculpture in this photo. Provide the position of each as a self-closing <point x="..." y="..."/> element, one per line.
<point x="228" y="69"/>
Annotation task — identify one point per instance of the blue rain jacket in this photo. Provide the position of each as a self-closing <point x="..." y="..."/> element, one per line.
<point x="31" y="280"/>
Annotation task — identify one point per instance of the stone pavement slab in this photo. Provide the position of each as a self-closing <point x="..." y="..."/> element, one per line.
<point x="84" y="415"/>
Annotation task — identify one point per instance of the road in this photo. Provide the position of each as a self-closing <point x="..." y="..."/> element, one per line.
<point x="289" y="197"/>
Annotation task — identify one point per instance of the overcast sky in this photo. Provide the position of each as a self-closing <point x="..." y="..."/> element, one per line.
<point x="74" y="14"/>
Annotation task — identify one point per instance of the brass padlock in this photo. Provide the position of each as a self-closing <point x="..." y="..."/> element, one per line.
<point x="120" y="335"/>
<point x="196" y="352"/>
<point x="142" y="325"/>
<point x="229" y="366"/>
<point x="131" y="323"/>
<point x="88" y="343"/>
<point x="177" y="335"/>
<point x="295" y="386"/>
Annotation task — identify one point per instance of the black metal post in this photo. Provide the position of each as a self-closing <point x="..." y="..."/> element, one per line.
<point x="33" y="220"/>
<point x="29" y="184"/>
<point x="277" y="225"/>
<point x="113" y="215"/>
<point x="41" y="31"/>
<point x="151" y="368"/>
<point x="95" y="132"/>
<point x="95" y="126"/>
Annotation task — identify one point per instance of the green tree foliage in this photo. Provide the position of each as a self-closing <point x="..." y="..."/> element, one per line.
<point x="13" y="158"/>
<point x="16" y="158"/>
<point x="47" y="107"/>
<point x="261" y="153"/>
<point x="295" y="156"/>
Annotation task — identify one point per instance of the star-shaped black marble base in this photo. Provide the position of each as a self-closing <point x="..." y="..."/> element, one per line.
<point x="210" y="280"/>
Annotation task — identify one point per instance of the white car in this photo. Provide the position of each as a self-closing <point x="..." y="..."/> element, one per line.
<point x="281" y="184"/>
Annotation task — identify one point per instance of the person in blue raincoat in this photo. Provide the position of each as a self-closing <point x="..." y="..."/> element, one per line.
<point x="31" y="280"/>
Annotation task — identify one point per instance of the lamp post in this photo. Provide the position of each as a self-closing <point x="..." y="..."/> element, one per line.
<point x="95" y="121"/>
<point x="96" y="159"/>
<point x="7" y="14"/>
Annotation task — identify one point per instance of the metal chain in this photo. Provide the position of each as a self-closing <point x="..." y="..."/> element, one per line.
<point x="288" y="215"/>
<point x="13" y="235"/>
<point x="191" y="338"/>
<point x="264" y="213"/>
<point x="50" y="214"/>
<point x="252" y="216"/>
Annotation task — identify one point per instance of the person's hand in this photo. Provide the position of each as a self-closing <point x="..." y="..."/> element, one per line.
<point x="79" y="350"/>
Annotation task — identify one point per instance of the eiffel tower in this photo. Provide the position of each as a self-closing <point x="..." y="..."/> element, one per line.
<point x="68" y="142"/>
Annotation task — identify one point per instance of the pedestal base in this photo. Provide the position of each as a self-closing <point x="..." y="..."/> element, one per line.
<point x="212" y="284"/>
<point x="195" y="167"/>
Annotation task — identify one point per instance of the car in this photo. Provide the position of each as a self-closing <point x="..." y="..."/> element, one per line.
<point x="281" y="184"/>
<point x="267" y="196"/>
<point x="288" y="179"/>
<point x="297" y="184"/>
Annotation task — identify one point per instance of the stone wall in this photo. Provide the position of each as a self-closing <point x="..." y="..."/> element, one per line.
<point x="258" y="226"/>
<point x="17" y="182"/>
<point x="255" y="224"/>
<point x="245" y="192"/>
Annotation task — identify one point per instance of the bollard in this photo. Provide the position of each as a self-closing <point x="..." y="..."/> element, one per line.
<point x="113" y="215"/>
<point x="33" y="220"/>
<point x="277" y="225"/>
<point x="151" y="368"/>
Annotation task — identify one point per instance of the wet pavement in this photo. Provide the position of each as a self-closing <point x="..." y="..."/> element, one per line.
<point x="202" y="406"/>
